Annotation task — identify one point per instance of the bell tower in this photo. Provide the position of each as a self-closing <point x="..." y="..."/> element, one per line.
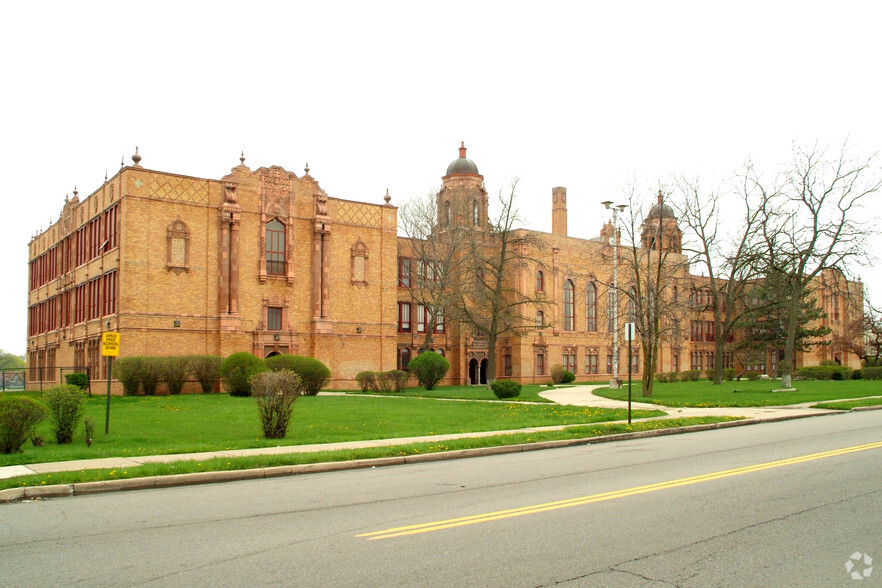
<point x="462" y="200"/>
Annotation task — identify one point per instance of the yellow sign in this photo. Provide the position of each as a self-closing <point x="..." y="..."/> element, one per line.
<point x="110" y="344"/>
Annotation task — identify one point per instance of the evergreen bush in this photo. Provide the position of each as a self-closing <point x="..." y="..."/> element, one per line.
<point x="66" y="405"/>
<point x="857" y="375"/>
<point x="367" y="381"/>
<point x="429" y="368"/>
<point x="314" y="375"/>
<point x="275" y="393"/>
<point x="506" y="388"/>
<point x="568" y="377"/>
<point x="175" y="371"/>
<point x="206" y="369"/>
<point x="872" y="373"/>
<point x="128" y="371"/>
<point x="78" y="379"/>
<point x="19" y="415"/>
<point x="237" y="369"/>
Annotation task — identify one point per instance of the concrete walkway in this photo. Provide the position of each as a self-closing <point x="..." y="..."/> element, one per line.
<point x="575" y="396"/>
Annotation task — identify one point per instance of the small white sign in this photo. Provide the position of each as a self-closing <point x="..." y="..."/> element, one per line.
<point x="630" y="331"/>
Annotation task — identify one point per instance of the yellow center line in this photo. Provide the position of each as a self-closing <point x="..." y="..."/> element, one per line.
<point x="548" y="506"/>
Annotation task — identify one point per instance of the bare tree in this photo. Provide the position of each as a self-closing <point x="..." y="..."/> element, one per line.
<point x="730" y="260"/>
<point x="651" y="265"/>
<point x="863" y="336"/>
<point x="810" y="220"/>
<point x="486" y="296"/>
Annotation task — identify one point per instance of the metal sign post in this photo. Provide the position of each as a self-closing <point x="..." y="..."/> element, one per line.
<point x="629" y="336"/>
<point x="109" y="349"/>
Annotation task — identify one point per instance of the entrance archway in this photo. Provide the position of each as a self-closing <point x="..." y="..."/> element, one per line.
<point x="484" y="371"/>
<point x="474" y="372"/>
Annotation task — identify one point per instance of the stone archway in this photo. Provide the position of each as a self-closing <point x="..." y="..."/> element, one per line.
<point x="474" y="372"/>
<point x="483" y="376"/>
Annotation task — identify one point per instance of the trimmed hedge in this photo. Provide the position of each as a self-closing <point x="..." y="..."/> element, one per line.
<point x="872" y="373"/>
<point x="824" y="372"/>
<point x="236" y="371"/>
<point x="506" y="388"/>
<point x="314" y="375"/>
<point x="367" y="381"/>
<point x="128" y="371"/>
<point x="429" y="368"/>
<point x="206" y="369"/>
<point x="78" y="379"/>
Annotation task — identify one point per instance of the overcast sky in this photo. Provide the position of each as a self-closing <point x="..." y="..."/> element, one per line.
<point x="378" y="95"/>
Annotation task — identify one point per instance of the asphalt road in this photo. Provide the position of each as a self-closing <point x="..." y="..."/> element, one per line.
<point x="782" y="504"/>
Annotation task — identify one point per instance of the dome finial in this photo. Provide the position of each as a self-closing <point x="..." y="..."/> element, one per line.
<point x="242" y="158"/>
<point x="136" y="158"/>
<point x="462" y="149"/>
<point x="306" y="168"/>
<point x="387" y="198"/>
<point x="659" y="196"/>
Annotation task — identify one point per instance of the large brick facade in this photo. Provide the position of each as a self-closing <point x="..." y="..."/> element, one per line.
<point x="265" y="261"/>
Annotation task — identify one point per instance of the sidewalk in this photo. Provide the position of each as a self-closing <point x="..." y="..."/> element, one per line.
<point x="575" y="396"/>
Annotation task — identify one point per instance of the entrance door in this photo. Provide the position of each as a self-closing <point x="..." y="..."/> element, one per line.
<point x="474" y="375"/>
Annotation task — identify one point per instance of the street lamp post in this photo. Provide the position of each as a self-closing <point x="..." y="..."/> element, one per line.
<point x="615" y="383"/>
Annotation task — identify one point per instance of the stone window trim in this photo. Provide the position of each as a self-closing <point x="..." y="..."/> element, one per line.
<point x="178" y="246"/>
<point x="274" y="302"/>
<point x="278" y="206"/>
<point x="359" y="264"/>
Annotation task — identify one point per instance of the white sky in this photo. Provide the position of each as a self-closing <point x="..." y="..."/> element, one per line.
<point x="378" y="95"/>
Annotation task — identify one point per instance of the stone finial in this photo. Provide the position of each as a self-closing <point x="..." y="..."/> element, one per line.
<point x="75" y="193"/>
<point x="242" y="158"/>
<point x="122" y="161"/>
<point x="306" y="169"/>
<point x="136" y="158"/>
<point x="387" y="198"/>
<point x="462" y="149"/>
<point x="105" y="176"/>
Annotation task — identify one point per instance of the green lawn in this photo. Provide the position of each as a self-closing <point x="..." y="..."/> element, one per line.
<point x="529" y="393"/>
<point x="154" y="425"/>
<point x="745" y="393"/>
<point x="848" y="405"/>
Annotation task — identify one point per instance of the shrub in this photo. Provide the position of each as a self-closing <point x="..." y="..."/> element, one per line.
<point x="128" y="371"/>
<point x="392" y="381"/>
<point x="429" y="368"/>
<point x="857" y="375"/>
<point x="872" y="373"/>
<point x="275" y="393"/>
<point x="206" y="369"/>
<point x="18" y="417"/>
<point x="752" y="375"/>
<point x="709" y="374"/>
<point x="870" y="362"/>
<point x="557" y="373"/>
<point x="729" y="374"/>
<point x="691" y="375"/>
<point x="829" y="362"/>
<point x="836" y="376"/>
<point x="66" y="407"/>
<point x="568" y="377"/>
<point x="314" y="375"/>
<point x="506" y="388"/>
<point x="174" y="370"/>
<point x="367" y="381"/>
<point x="151" y="374"/>
<point x="824" y="372"/>
<point x="236" y="371"/>
<point x="78" y="379"/>
<point x="88" y="430"/>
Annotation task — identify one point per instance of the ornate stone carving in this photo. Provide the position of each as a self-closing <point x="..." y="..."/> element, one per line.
<point x="230" y="195"/>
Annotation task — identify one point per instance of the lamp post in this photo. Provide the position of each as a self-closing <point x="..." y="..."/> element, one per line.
<point x="614" y="383"/>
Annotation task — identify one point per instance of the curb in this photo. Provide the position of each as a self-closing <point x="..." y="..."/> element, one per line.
<point x="174" y="480"/>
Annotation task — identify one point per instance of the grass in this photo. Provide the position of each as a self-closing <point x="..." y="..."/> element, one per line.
<point x="848" y="405"/>
<point x="745" y="393"/>
<point x="263" y="461"/>
<point x="158" y="425"/>
<point x="529" y="393"/>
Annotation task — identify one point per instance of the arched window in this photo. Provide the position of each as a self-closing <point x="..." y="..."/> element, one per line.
<point x="568" y="306"/>
<point x="403" y="358"/>
<point x="540" y="319"/>
<point x="591" y="308"/>
<point x="591" y="361"/>
<point x="359" y="263"/>
<point x="178" y="245"/>
<point x="275" y="248"/>
<point x="540" y="281"/>
<point x="447" y="212"/>
<point x="475" y="213"/>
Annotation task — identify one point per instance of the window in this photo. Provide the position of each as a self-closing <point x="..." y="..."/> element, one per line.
<point x="359" y="263"/>
<point x="404" y="317"/>
<point x="540" y="281"/>
<point x="439" y="321"/>
<point x="274" y="318"/>
<point x="591" y="361"/>
<point x="421" y="318"/>
<point x="111" y="232"/>
<point x="591" y="308"/>
<point x="709" y="360"/>
<point x="674" y="294"/>
<point x="81" y="243"/>
<point x="178" y="245"/>
<point x="728" y="360"/>
<point x="540" y="363"/>
<point x="80" y="303"/>
<point x="835" y="301"/>
<point x="109" y="292"/>
<point x="403" y="358"/>
<point x="568" y="306"/>
<point x="540" y="319"/>
<point x="675" y="362"/>
<point x="95" y="237"/>
<point x="569" y="359"/>
<point x="506" y="363"/>
<point x="404" y="272"/>
<point x="609" y="363"/>
<point x="275" y="248"/>
<point x="635" y="361"/>
<point x="94" y="298"/>
<point x="475" y="213"/>
<point x="695" y="360"/>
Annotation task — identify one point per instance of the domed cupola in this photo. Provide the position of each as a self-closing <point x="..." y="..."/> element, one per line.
<point x="660" y="230"/>
<point x="463" y="165"/>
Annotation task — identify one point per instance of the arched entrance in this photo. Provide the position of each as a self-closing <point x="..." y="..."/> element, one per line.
<point x="272" y="354"/>
<point x="474" y="372"/>
<point x="484" y="371"/>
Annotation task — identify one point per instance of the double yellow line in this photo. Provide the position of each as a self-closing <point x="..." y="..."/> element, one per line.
<point x="538" y="508"/>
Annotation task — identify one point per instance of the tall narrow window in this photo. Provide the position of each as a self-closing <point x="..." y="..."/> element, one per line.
<point x="404" y="272"/>
<point x="274" y="318"/>
<point x="404" y="317"/>
<point x="359" y="263"/>
<point x="591" y="308"/>
<point x="403" y="358"/>
<point x="178" y="245"/>
<point x="568" y="307"/>
<point x="540" y="319"/>
<point x="275" y="248"/>
<point x="421" y="318"/>
<point x="506" y="362"/>
<point x="591" y="361"/>
<point x="540" y="364"/>
<point x="475" y="213"/>
<point x="540" y="281"/>
<point x="439" y="320"/>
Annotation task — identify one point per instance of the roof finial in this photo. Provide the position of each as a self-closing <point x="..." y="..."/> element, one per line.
<point x="242" y="158"/>
<point x="122" y="161"/>
<point x="306" y="169"/>
<point x="387" y="198"/>
<point x="105" y="176"/>
<point x="136" y="158"/>
<point x="659" y="196"/>
<point x="75" y="192"/>
<point x="462" y="149"/>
